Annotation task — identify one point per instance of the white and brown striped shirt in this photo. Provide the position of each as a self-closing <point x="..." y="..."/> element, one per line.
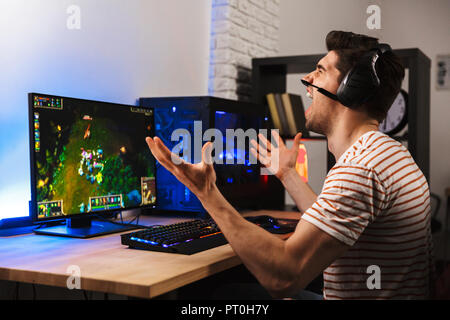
<point x="376" y="200"/>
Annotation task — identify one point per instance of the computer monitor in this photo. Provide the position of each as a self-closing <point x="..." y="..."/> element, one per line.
<point x="88" y="159"/>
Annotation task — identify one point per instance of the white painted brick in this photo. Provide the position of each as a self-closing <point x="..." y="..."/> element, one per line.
<point x="274" y="44"/>
<point x="240" y="31"/>
<point x="271" y="32"/>
<point x="272" y="8"/>
<point x="275" y="22"/>
<point x="252" y="10"/>
<point x="232" y="3"/>
<point x="264" y="42"/>
<point x="220" y="26"/>
<point x="256" y="26"/>
<point x="225" y="71"/>
<point x="221" y="56"/>
<point x="259" y="3"/>
<point x="256" y="51"/>
<point x="233" y="29"/>
<point x="243" y="6"/>
<point x="238" y="17"/>
<point x="224" y="84"/>
<point x="239" y="45"/>
<point x="263" y="16"/>
<point x="243" y="60"/>
<point x="222" y="41"/>
<point x="220" y="13"/>
<point x="245" y="34"/>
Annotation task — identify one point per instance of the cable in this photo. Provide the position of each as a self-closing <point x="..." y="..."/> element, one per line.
<point x="127" y="223"/>
<point x="17" y="291"/>
<point x="34" y="291"/>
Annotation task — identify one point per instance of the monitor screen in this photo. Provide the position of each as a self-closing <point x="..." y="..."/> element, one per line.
<point x="89" y="157"/>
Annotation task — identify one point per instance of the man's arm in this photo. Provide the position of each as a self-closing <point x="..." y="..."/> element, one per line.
<point x="282" y="267"/>
<point x="300" y="191"/>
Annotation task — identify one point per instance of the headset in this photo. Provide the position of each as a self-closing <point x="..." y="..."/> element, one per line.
<point x="361" y="82"/>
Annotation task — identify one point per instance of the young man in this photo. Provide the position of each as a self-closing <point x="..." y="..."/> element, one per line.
<point x="368" y="231"/>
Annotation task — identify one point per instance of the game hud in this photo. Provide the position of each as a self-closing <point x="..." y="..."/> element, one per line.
<point x="90" y="156"/>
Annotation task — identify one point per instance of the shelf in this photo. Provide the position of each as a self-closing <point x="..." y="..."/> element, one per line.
<point x="269" y="75"/>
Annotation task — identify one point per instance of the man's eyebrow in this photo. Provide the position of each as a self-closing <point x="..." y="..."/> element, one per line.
<point x="319" y="66"/>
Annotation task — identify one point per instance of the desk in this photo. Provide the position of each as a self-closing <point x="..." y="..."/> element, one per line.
<point x="108" y="266"/>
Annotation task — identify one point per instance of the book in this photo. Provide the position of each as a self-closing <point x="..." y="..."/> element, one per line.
<point x="273" y="110"/>
<point x="295" y="114"/>
<point x="284" y="127"/>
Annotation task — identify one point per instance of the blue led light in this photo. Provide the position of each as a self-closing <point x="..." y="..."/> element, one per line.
<point x="220" y="112"/>
<point x="174" y="109"/>
<point x="144" y="241"/>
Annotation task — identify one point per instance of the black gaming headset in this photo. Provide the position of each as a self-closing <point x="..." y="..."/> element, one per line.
<point x="361" y="82"/>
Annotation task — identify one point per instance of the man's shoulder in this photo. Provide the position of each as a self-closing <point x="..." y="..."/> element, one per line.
<point x="382" y="156"/>
<point x="376" y="152"/>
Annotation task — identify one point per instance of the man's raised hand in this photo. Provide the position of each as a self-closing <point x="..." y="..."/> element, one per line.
<point x="200" y="178"/>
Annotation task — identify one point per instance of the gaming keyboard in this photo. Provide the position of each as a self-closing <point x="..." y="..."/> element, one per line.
<point x="184" y="237"/>
<point x="195" y="235"/>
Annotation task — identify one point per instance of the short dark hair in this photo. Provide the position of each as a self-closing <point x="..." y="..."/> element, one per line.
<point x="350" y="47"/>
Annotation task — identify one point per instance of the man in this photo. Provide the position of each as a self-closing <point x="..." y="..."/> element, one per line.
<point x="368" y="231"/>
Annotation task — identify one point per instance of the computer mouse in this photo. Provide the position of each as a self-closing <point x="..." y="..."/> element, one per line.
<point x="266" y="222"/>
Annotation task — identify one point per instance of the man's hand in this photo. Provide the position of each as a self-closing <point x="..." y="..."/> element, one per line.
<point x="287" y="157"/>
<point x="299" y="190"/>
<point x="200" y="178"/>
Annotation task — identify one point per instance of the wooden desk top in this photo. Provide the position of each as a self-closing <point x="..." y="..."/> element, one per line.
<point x="108" y="266"/>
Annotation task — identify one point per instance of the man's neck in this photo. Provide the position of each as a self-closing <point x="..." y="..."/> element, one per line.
<point x="346" y="133"/>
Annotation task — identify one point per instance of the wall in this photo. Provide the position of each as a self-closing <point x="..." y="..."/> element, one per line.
<point x="404" y="24"/>
<point x="124" y="50"/>
<point x="240" y="30"/>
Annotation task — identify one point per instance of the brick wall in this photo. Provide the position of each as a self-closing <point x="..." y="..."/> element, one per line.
<point x="240" y="30"/>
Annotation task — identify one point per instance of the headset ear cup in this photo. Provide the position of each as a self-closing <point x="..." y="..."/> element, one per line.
<point x="341" y="89"/>
<point x="344" y="93"/>
<point x="358" y="85"/>
<point x="361" y="82"/>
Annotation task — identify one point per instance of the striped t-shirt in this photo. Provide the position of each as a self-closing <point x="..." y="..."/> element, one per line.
<point x="376" y="200"/>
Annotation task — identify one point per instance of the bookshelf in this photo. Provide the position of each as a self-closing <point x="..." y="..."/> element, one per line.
<point x="269" y="76"/>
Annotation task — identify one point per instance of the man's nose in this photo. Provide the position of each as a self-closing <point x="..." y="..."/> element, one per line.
<point x="309" y="77"/>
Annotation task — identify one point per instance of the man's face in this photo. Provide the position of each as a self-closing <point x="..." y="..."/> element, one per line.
<point x="319" y="114"/>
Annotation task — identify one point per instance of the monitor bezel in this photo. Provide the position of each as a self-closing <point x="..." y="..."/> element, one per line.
<point x="33" y="202"/>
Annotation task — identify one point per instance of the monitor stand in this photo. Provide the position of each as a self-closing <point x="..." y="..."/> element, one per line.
<point x="84" y="228"/>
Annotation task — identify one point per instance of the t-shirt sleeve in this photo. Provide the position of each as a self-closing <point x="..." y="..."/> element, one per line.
<point x="351" y="198"/>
